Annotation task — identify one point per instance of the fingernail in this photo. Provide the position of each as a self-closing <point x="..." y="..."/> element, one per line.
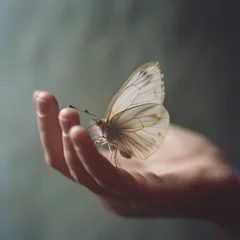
<point x="42" y="106"/>
<point x="35" y="94"/>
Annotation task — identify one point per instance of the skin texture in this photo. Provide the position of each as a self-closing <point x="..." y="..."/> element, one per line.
<point x="188" y="176"/>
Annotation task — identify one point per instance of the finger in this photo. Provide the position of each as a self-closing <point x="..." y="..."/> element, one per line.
<point x="117" y="180"/>
<point x="50" y="131"/>
<point x="68" y="118"/>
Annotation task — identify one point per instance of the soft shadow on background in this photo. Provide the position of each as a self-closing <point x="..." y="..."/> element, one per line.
<point x="83" y="51"/>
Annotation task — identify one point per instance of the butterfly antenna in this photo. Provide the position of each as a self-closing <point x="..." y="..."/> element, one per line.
<point x="85" y="111"/>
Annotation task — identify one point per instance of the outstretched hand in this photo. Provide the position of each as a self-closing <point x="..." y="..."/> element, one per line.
<point x="187" y="177"/>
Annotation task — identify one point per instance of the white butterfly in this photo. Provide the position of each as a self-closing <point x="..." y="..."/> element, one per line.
<point x="136" y="121"/>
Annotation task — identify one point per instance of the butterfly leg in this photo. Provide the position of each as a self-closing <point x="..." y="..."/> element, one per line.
<point x="115" y="154"/>
<point x="115" y="158"/>
<point x="110" y="150"/>
<point x="102" y="147"/>
<point x="97" y="141"/>
<point x="92" y="130"/>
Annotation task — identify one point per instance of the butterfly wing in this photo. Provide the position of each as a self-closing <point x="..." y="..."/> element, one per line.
<point x="137" y="112"/>
<point x="145" y="85"/>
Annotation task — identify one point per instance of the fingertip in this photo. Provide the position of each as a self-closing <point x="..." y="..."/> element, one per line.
<point x="46" y="96"/>
<point x="77" y="133"/>
<point x="68" y="118"/>
<point x="68" y="114"/>
<point x="35" y="94"/>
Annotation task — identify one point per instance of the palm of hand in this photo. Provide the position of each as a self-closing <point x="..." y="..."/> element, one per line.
<point x="174" y="181"/>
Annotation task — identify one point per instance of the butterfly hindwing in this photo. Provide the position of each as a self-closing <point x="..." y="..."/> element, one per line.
<point x="141" y="129"/>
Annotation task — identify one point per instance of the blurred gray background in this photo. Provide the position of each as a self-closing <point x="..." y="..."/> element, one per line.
<point x="83" y="51"/>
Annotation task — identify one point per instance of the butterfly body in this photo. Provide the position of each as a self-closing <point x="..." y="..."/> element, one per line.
<point x="107" y="132"/>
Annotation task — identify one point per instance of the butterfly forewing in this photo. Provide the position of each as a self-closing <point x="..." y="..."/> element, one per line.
<point x="145" y="85"/>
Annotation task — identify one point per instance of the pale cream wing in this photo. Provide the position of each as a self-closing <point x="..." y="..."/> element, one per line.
<point x="141" y="129"/>
<point x="144" y="86"/>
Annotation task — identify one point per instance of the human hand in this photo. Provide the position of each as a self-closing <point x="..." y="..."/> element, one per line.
<point x="187" y="177"/>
